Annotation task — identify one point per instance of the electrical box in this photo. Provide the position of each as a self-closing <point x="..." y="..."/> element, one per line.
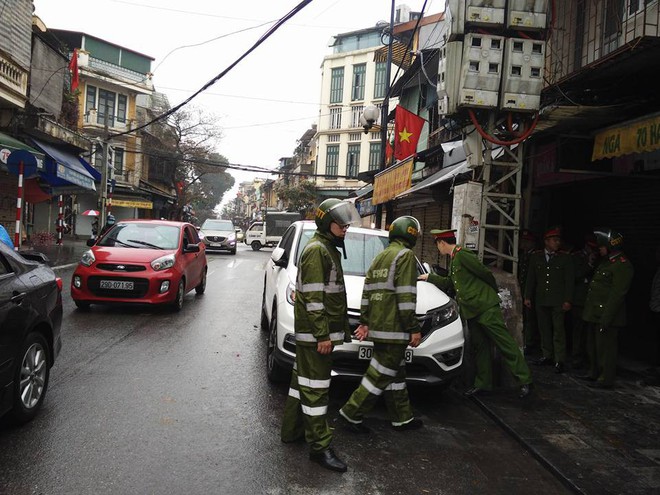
<point x="449" y="76"/>
<point x="465" y="214"/>
<point x="527" y="14"/>
<point x="522" y="74"/>
<point x="481" y="70"/>
<point x="455" y="18"/>
<point x="486" y="13"/>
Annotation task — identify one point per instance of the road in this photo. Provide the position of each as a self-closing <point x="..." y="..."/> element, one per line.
<point x="146" y="401"/>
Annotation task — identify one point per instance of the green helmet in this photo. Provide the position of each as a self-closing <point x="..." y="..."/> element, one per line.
<point x="406" y="228"/>
<point x="609" y="238"/>
<point x="338" y="211"/>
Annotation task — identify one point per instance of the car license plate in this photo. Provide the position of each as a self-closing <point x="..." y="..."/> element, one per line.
<point x="116" y="285"/>
<point x="365" y="352"/>
<point x="216" y="244"/>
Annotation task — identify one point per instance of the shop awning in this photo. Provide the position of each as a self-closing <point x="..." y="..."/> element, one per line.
<point x="9" y="144"/>
<point x="63" y="168"/>
<point x="443" y="175"/>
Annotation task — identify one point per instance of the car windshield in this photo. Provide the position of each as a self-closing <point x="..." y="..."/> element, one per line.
<point x="142" y="235"/>
<point x="361" y="249"/>
<point x="217" y="225"/>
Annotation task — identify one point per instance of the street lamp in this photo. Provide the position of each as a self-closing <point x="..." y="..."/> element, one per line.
<point x="369" y="117"/>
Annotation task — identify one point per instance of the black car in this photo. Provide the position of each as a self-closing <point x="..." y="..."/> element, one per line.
<point x="30" y="322"/>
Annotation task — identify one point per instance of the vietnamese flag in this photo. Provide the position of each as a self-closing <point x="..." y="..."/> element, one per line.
<point x="407" y="129"/>
<point x="73" y="67"/>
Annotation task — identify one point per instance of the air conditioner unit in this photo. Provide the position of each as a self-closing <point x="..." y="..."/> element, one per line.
<point x="481" y="70"/>
<point x="522" y="74"/>
<point x="527" y="14"/>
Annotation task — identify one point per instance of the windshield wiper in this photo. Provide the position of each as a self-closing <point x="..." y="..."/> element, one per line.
<point x="148" y="244"/>
<point x="115" y="241"/>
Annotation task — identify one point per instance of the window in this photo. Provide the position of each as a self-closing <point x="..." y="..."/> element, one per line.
<point x="332" y="162"/>
<point x="337" y="85"/>
<point x="357" y="91"/>
<point x="380" y="88"/>
<point x="356" y="111"/>
<point x="355" y="136"/>
<point x="99" y="99"/>
<point x="353" y="161"/>
<point x="335" y="118"/>
<point x="374" y="156"/>
<point x="118" y="161"/>
<point x="333" y="138"/>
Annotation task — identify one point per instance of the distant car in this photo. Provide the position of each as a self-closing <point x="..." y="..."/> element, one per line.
<point x="240" y="235"/>
<point x="141" y="261"/>
<point x="437" y="359"/>
<point x="219" y="235"/>
<point x="30" y="323"/>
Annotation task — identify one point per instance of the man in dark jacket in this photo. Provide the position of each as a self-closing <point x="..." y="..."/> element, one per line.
<point x="479" y="305"/>
<point x="321" y="322"/>
<point x="389" y="319"/>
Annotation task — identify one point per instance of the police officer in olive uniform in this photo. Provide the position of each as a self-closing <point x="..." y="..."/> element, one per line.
<point x="321" y="322"/>
<point x="584" y="261"/>
<point x="605" y="307"/>
<point x="479" y="304"/>
<point x="549" y="287"/>
<point x="389" y="320"/>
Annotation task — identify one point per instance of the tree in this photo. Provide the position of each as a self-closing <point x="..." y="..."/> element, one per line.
<point x="300" y="197"/>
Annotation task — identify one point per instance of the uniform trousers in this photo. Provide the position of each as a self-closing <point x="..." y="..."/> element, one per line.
<point x="386" y="376"/>
<point x="488" y="329"/>
<point x="306" y="408"/>
<point x="602" y="350"/>
<point x="553" y="332"/>
<point x="578" y="335"/>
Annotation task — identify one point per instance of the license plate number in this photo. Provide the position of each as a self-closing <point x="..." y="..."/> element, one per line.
<point x="216" y="244"/>
<point x="116" y="285"/>
<point x="365" y="352"/>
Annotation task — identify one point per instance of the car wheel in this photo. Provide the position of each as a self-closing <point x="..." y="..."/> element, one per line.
<point x="275" y="372"/>
<point x="202" y="284"/>
<point x="180" y="292"/>
<point x="264" y="316"/>
<point x="256" y="245"/>
<point x="82" y="305"/>
<point x="30" y="378"/>
<point x="233" y="251"/>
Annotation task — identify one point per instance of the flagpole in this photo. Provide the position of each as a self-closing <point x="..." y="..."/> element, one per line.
<point x="383" y="124"/>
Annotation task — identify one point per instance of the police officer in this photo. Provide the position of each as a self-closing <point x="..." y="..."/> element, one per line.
<point x="605" y="307"/>
<point x="389" y="319"/>
<point x="479" y="303"/>
<point x="109" y="222"/>
<point x="549" y="287"/>
<point x="584" y="261"/>
<point x="321" y="322"/>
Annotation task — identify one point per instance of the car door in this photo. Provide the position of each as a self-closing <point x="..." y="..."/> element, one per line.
<point x="194" y="262"/>
<point x="274" y="273"/>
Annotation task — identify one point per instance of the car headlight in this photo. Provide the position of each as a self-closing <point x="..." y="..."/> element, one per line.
<point x="231" y="237"/>
<point x="87" y="258"/>
<point x="200" y="235"/>
<point x="291" y="294"/>
<point x="163" y="263"/>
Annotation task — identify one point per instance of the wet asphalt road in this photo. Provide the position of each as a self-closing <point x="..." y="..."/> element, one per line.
<point x="145" y="401"/>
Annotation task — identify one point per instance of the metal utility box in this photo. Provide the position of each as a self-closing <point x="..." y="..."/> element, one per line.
<point x="455" y="18"/>
<point x="465" y="214"/>
<point x="486" y="13"/>
<point x="522" y="74"/>
<point x="481" y="70"/>
<point x="527" y="14"/>
<point x="449" y="77"/>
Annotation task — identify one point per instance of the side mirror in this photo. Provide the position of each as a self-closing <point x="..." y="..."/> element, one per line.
<point x="91" y="242"/>
<point x="279" y="257"/>
<point x="191" y="248"/>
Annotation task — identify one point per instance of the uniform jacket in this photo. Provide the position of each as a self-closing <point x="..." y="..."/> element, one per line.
<point x="473" y="283"/>
<point x="550" y="283"/>
<point x="606" y="298"/>
<point x="389" y="297"/>
<point x="320" y="305"/>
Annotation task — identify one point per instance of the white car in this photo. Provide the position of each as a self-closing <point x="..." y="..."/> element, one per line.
<point x="437" y="359"/>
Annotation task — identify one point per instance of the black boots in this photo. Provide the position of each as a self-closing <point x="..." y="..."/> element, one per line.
<point x="328" y="459"/>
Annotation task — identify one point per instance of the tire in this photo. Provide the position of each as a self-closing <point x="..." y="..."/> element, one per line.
<point x="180" y="293"/>
<point x="256" y="245"/>
<point x="202" y="284"/>
<point x="233" y="251"/>
<point x="30" y="378"/>
<point x="275" y="372"/>
<point x="84" y="306"/>
<point x="264" y="317"/>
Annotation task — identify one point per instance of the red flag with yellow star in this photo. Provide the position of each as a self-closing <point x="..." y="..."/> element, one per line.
<point x="407" y="129"/>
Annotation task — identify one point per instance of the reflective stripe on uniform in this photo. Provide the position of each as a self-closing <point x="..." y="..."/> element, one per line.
<point x="408" y="305"/>
<point x="406" y="289"/>
<point x="309" y="383"/>
<point x="364" y="302"/>
<point x="311" y="287"/>
<point x="315" y="306"/>
<point x="294" y="393"/>
<point x="308" y="337"/>
<point x="382" y="369"/>
<point x="371" y="388"/>
<point x="314" y="411"/>
<point x="389" y="335"/>
<point x="394" y="423"/>
<point x="396" y="386"/>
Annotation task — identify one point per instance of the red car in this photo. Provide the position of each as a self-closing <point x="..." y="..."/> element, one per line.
<point x="141" y="261"/>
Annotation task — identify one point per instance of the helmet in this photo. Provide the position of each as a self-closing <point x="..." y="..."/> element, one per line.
<point x="110" y="219"/>
<point x="406" y="228"/>
<point x="609" y="238"/>
<point x="338" y="211"/>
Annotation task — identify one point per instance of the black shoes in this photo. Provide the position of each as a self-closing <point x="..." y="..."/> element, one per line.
<point x="357" y="428"/>
<point x="544" y="361"/>
<point x="525" y="390"/>
<point x="559" y="368"/>
<point x="414" y="424"/>
<point x="328" y="459"/>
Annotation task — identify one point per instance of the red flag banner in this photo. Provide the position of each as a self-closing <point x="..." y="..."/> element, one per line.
<point x="407" y="129"/>
<point x="73" y="67"/>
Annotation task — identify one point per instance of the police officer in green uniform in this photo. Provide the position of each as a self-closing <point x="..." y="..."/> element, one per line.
<point x="479" y="303"/>
<point x="388" y="319"/>
<point x="321" y="322"/>
<point x="549" y="287"/>
<point x="605" y="307"/>
<point x="584" y="261"/>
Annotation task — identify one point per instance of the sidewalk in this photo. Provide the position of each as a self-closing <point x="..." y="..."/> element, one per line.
<point x="69" y="252"/>
<point x="596" y="441"/>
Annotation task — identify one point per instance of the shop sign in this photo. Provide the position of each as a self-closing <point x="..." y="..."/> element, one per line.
<point x="635" y="137"/>
<point x="133" y="203"/>
<point x="392" y="181"/>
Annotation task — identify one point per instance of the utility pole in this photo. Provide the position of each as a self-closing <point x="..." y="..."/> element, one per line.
<point x="103" y="193"/>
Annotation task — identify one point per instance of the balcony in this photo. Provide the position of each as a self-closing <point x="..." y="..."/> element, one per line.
<point x="13" y="82"/>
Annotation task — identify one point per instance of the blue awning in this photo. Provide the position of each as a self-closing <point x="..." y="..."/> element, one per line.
<point x="64" y="168"/>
